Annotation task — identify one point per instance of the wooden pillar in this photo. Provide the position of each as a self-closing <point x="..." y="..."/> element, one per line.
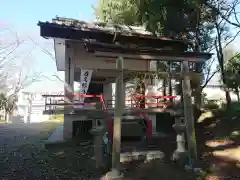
<point x="188" y="114"/>
<point x="170" y="82"/>
<point x="68" y="92"/>
<point x="116" y="146"/>
<point x="69" y="79"/>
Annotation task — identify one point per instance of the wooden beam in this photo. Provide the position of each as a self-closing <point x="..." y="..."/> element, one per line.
<point x="131" y="73"/>
<point x="126" y="71"/>
<point x="147" y="57"/>
<point x="173" y="75"/>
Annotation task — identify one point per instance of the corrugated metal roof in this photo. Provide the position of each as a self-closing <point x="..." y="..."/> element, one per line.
<point x="105" y="27"/>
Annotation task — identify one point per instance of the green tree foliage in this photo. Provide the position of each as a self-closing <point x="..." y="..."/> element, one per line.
<point x="188" y="20"/>
<point x="203" y="23"/>
<point x="3" y="100"/>
<point x="191" y="21"/>
<point x="119" y="12"/>
<point x="7" y="104"/>
<point x="232" y="68"/>
<point x="10" y="105"/>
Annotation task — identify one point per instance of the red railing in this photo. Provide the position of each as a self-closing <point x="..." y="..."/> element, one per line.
<point x="139" y="112"/>
<point x="110" y="120"/>
<point x="136" y="99"/>
<point x="155" y="97"/>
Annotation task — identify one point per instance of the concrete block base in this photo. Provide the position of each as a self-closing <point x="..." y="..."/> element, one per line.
<point x="68" y="124"/>
<point x="113" y="175"/>
<point x="68" y="128"/>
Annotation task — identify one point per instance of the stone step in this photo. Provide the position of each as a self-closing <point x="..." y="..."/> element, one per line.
<point x="147" y="155"/>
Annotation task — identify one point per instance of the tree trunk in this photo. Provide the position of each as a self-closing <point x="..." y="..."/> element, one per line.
<point x="228" y="97"/>
<point x="170" y="82"/>
<point x="198" y="97"/>
<point x="5" y="116"/>
<point x="219" y="49"/>
<point x="170" y="88"/>
<point x="197" y="87"/>
<point x="237" y="93"/>
<point x="181" y="92"/>
<point x="142" y="92"/>
<point x="227" y="93"/>
<point x="178" y="89"/>
<point x="198" y="66"/>
<point x="164" y="89"/>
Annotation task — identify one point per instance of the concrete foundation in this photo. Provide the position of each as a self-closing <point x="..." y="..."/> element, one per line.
<point x="68" y="124"/>
<point x="69" y="118"/>
<point x="68" y="127"/>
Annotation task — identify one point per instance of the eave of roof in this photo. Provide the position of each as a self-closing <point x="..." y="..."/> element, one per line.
<point x="92" y="47"/>
<point x="80" y="30"/>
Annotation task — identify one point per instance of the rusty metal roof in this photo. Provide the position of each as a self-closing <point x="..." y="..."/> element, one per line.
<point x="72" y="29"/>
<point x="106" y="27"/>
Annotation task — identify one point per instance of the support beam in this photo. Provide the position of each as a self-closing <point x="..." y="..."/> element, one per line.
<point x="124" y="94"/>
<point x="115" y="173"/>
<point x="188" y="113"/>
<point x="147" y="57"/>
<point x="69" y="77"/>
<point x="68" y="89"/>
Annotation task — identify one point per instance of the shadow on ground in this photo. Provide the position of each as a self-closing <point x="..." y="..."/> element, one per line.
<point x="79" y="160"/>
<point x="218" y="149"/>
<point x="218" y="137"/>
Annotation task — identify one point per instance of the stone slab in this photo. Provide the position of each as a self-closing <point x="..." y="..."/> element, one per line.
<point x="146" y="155"/>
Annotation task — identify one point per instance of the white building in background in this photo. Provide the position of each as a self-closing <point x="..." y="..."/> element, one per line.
<point x="30" y="107"/>
<point x="216" y="92"/>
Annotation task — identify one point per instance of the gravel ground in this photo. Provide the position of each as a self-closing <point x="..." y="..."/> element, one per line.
<point x="22" y="155"/>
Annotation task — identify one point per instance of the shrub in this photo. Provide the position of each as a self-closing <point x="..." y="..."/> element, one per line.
<point x="233" y="110"/>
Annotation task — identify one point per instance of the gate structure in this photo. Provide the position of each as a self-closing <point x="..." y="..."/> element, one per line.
<point x="117" y="54"/>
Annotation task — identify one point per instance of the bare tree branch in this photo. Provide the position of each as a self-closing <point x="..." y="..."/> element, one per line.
<point x="232" y="39"/>
<point x="208" y="79"/>
<point x="5" y="50"/>
<point x="220" y="11"/>
<point x="48" y="53"/>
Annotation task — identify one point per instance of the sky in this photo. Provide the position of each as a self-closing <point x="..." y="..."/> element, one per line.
<point x="22" y="17"/>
